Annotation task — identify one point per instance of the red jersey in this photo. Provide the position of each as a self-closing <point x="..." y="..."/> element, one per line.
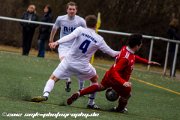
<point x="124" y="65"/>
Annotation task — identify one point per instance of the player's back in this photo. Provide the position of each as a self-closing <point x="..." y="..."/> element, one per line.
<point x="85" y="45"/>
<point x="128" y="56"/>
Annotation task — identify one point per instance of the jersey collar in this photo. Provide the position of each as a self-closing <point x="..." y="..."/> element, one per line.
<point x="128" y="49"/>
<point x="71" y="18"/>
<point x="91" y="29"/>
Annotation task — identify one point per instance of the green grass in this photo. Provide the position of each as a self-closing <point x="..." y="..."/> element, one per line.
<point x="24" y="77"/>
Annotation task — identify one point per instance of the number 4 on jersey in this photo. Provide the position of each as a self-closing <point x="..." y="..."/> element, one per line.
<point x="84" y="46"/>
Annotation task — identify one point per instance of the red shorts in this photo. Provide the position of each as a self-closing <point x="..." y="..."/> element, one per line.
<point x="108" y="81"/>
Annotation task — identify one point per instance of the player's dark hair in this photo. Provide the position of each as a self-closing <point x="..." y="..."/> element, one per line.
<point x="134" y="40"/>
<point x="91" y="21"/>
<point x="71" y="4"/>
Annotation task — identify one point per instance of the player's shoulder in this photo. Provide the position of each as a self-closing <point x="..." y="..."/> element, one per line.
<point x="79" y="18"/>
<point x="80" y="29"/>
<point x="62" y="17"/>
<point x="100" y="37"/>
<point x="124" y="52"/>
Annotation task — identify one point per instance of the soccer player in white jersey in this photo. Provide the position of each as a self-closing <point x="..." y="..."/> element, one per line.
<point x="68" y="23"/>
<point x="86" y="43"/>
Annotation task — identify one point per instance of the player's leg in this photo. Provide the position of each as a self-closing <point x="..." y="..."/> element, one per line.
<point x="59" y="73"/>
<point x="62" y="53"/>
<point x="86" y="72"/>
<point x="100" y="87"/>
<point x="91" y="89"/>
<point x="88" y="90"/>
<point x="47" y="89"/>
<point x="81" y="84"/>
<point x="49" y="85"/>
<point x="125" y="94"/>
<point x="123" y="100"/>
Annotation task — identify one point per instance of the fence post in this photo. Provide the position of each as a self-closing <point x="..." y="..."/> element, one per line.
<point x="174" y="61"/>
<point x="150" y="52"/>
<point x="166" y="59"/>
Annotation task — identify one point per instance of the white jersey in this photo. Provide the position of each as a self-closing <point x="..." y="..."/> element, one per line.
<point x="86" y="43"/>
<point x="67" y="26"/>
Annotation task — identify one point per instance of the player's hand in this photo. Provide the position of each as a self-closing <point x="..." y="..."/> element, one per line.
<point x="154" y="63"/>
<point x="53" y="45"/>
<point x="127" y="84"/>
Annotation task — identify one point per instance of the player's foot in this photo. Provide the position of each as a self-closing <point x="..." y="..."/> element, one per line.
<point x="68" y="88"/>
<point x="94" y="106"/>
<point x="115" y="109"/>
<point x="39" y="99"/>
<point x="73" y="98"/>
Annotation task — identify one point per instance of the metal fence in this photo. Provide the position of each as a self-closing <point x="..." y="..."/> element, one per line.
<point x="152" y="38"/>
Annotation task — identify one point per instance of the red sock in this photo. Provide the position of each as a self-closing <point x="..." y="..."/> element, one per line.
<point x="122" y="103"/>
<point x="91" y="89"/>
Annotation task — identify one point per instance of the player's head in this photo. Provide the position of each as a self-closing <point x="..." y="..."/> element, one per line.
<point x="31" y="8"/>
<point x="71" y="9"/>
<point x="135" y="41"/>
<point x="91" y="21"/>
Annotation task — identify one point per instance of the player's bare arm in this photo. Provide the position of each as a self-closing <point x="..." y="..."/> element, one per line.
<point x="53" y="32"/>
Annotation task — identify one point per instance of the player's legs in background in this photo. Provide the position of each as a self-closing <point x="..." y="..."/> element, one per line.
<point x="91" y="102"/>
<point x="68" y="83"/>
<point x="81" y="84"/>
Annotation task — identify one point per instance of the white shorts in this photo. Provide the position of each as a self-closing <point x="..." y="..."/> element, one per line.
<point x="82" y="72"/>
<point x="62" y="50"/>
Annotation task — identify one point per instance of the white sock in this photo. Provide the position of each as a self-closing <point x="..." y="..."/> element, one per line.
<point x="48" y="88"/>
<point x="81" y="84"/>
<point x="91" y="99"/>
<point x="68" y="79"/>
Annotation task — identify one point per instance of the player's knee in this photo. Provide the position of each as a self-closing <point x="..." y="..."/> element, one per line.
<point x="52" y="77"/>
<point x="61" y="58"/>
<point x="94" y="79"/>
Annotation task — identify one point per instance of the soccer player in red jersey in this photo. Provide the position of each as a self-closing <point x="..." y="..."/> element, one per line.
<point x="117" y="77"/>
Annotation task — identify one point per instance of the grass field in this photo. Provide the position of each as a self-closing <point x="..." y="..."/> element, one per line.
<point x="24" y="77"/>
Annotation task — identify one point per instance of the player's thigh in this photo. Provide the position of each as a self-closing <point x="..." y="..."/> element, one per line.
<point x="62" y="51"/>
<point x="62" y="71"/>
<point x="87" y="73"/>
<point x="106" y="81"/>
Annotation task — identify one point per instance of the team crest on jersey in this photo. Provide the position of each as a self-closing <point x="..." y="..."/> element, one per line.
<point x="68" y="30"/>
